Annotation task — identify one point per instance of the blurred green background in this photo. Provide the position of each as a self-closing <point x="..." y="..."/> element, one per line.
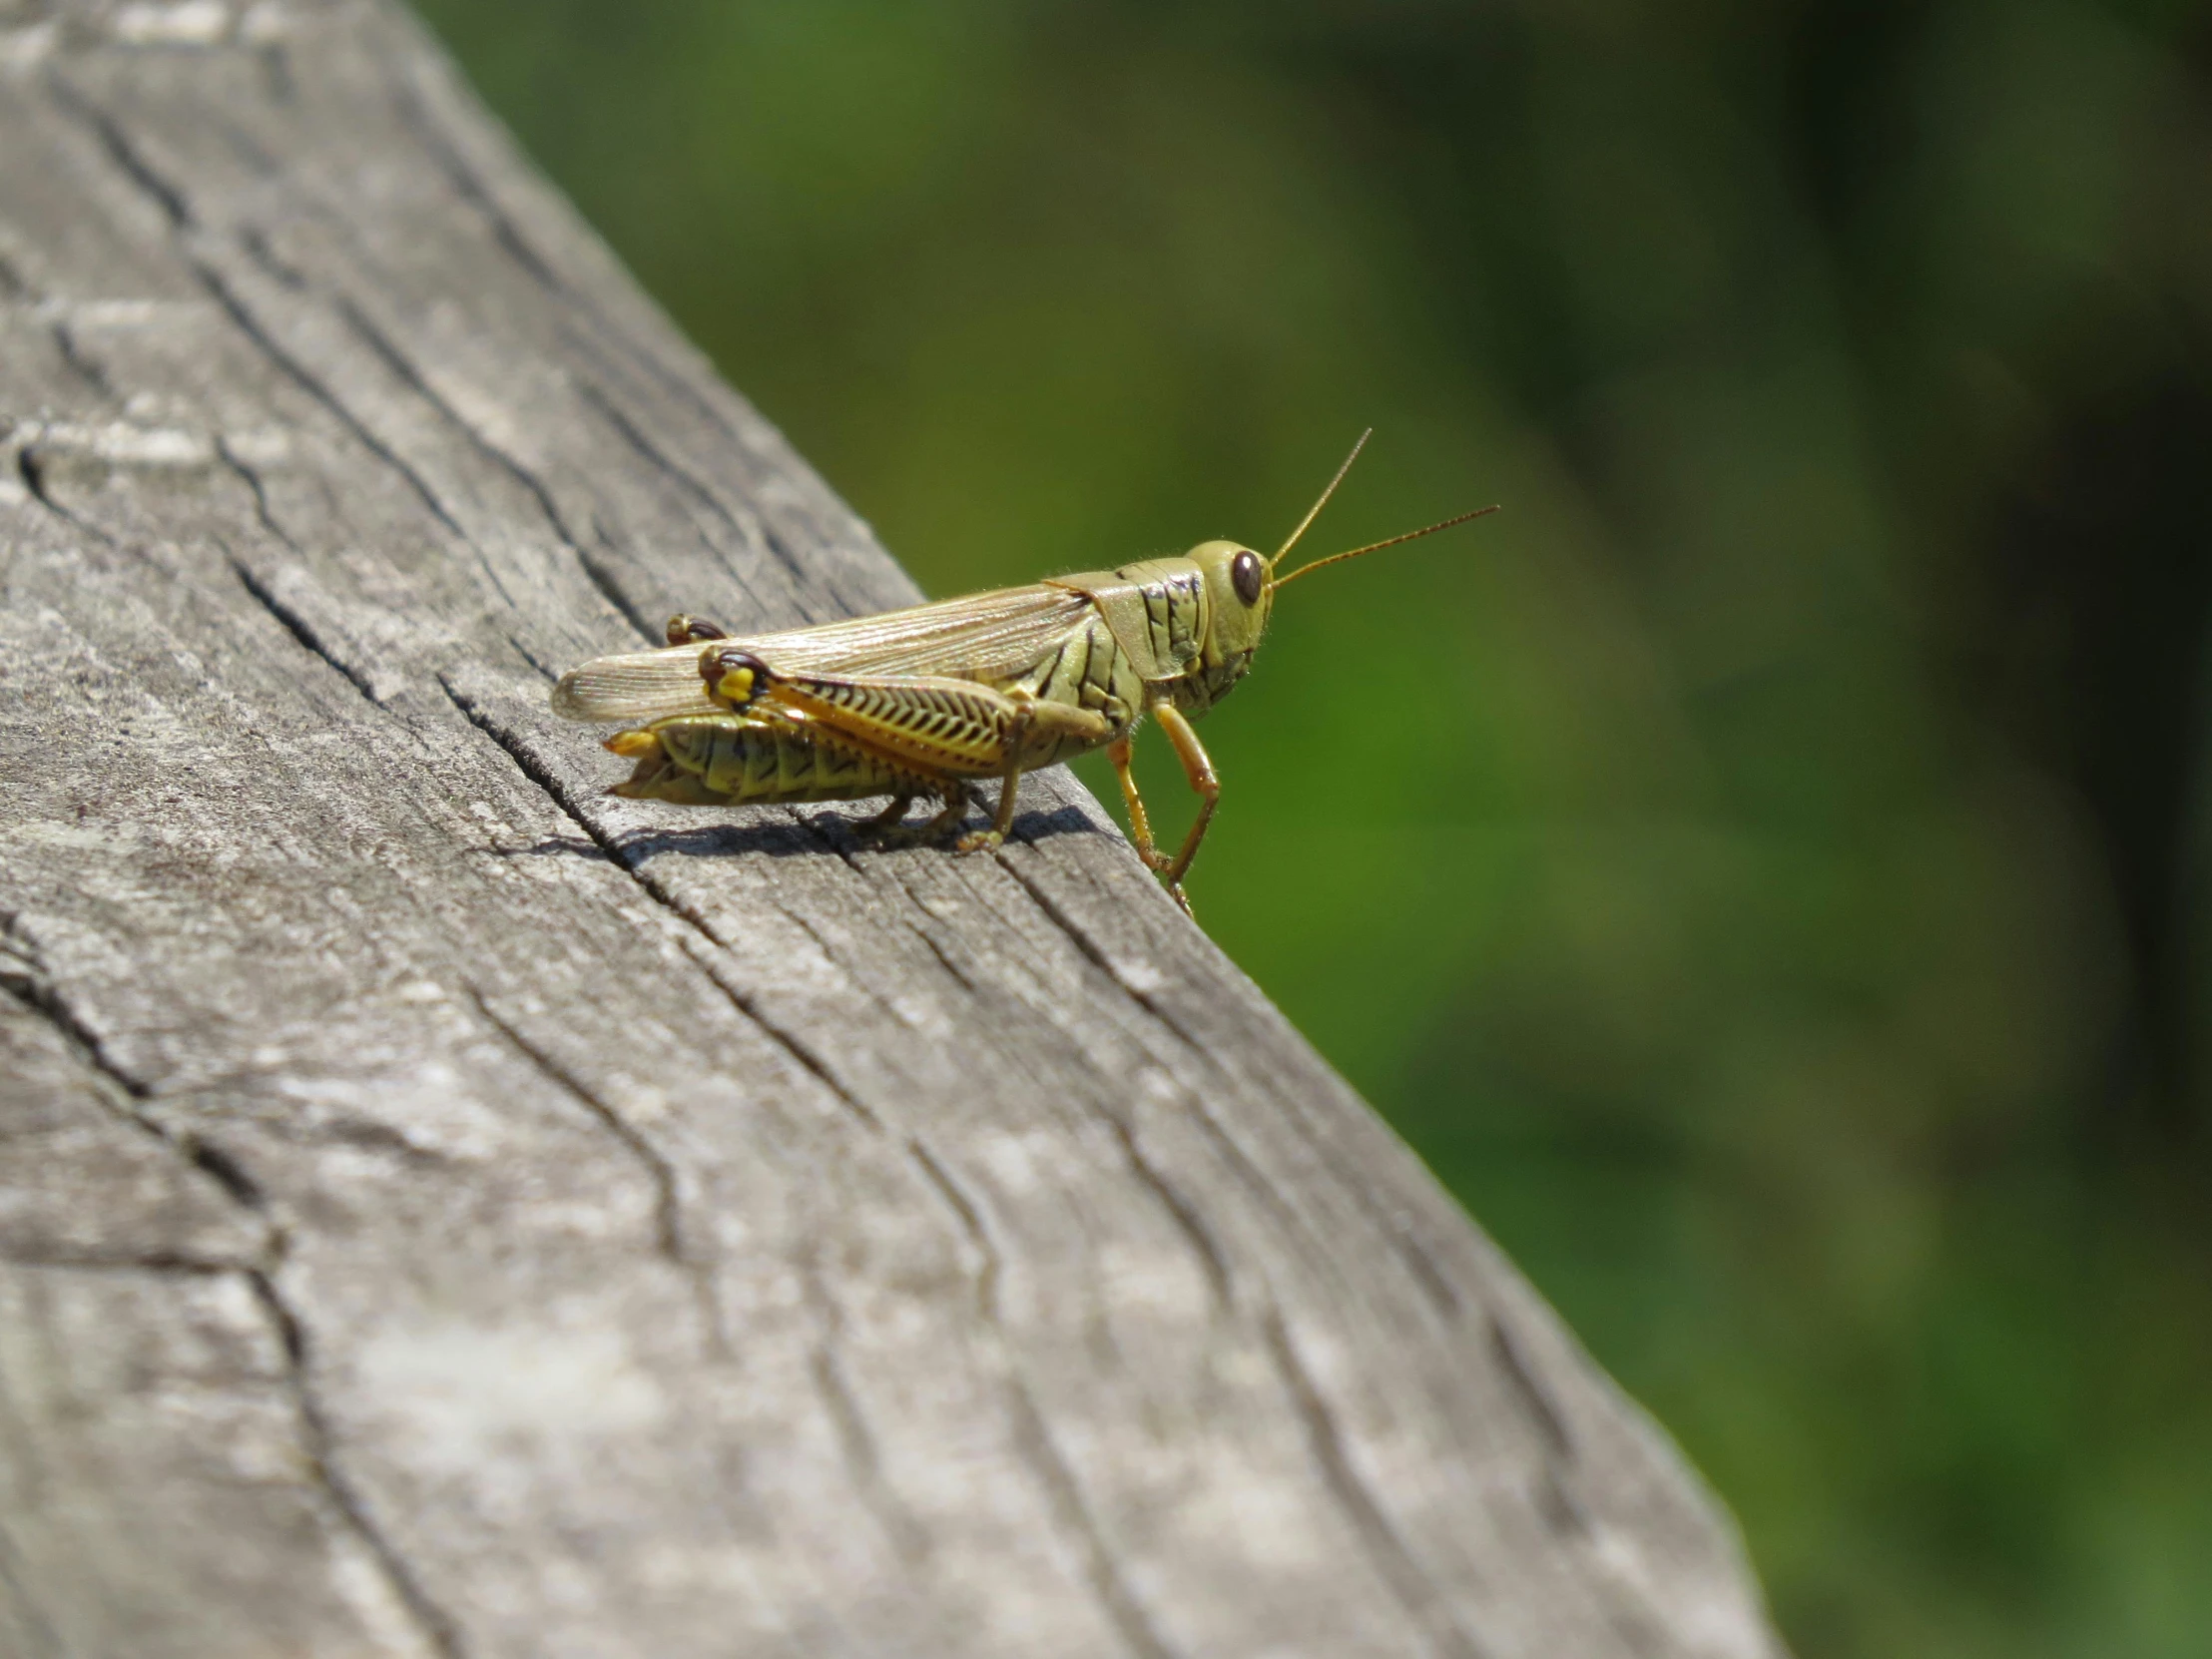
<point x="1773" y="890"/>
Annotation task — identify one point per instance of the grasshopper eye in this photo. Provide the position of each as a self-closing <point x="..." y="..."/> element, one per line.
<point x="1247" y="577"/>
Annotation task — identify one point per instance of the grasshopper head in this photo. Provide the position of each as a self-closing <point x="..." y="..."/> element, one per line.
<point x="1237" y="598"/>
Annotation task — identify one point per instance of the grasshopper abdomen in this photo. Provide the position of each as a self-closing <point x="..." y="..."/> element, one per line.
<point x="712" y="759"/>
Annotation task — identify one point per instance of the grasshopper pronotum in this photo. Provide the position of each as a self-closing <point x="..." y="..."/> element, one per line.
<point x="924" y="701"/>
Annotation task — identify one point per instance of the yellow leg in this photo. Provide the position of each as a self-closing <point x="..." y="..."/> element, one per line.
<point x="1139" y="821"/>
<point x="1199" y="768"/>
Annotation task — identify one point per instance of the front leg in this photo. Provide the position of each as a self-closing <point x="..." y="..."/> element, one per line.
<point x="1198" y="767"/>
<point x="1139" y="821"/>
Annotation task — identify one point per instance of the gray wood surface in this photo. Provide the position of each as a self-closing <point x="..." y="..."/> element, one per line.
<point x="446" y="1211"/>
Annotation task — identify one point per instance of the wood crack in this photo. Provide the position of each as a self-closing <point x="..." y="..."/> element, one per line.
<point x="125" y="1095"/>
<point x="1362" y="1508"/>
<point x="668" y="1225"/>
<point x="928" y="929"/>
<point x="155" y="189"/>
<point x="971" y="1226"/>
<point x="251" y="477"/>
<point x="1558" y="1500"/>
<point x="299" y="374"/>
<point x="1102" y="1566"/>
<point x="1389" y="1553"/>
<point x="158" y="1263"/>
<point x="654" y="456"/>
<point x="1544" y="1414"/>
<point x="33" y="988"/>
<point x="801" y="1051"/>
<point x="1181" y="1211"/>
<point x="221" y="1168"/>
<point x="856" y="1441"/>
<point x="1249" y="1174"/>
<point x="319" y="1445"/>
<point x="563" y="798"/>
<point x="1185" y="1215"/>
<point x="73" y="354"/>
<point x="468" y="184"/>
<point x="546" y="670"/>
<point x="403" y="369"/>
<point x="416" y="117"/>
<point x="628" y="350"/>
<point x="543" y="777"/>
<point x="1099" y="957"/>
<point x="668" y="1234"/>
<point x="176" y="210"/>
<point x="1063" y="1494"/>
<point x="297" y="626"/>
<point x="30" y="466"/>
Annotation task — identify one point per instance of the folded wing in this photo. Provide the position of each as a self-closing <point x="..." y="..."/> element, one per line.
<point x="988" y="637"/>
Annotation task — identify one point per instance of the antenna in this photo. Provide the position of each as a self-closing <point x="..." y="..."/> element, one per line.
<point x="1372" y="546"/>
<point x="1314" y="512"/>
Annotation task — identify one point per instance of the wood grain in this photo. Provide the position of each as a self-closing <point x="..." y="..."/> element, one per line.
<point x="447" y="1211"/>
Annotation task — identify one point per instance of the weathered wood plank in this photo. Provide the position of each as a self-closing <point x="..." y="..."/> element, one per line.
<point x="445" y="1210"/>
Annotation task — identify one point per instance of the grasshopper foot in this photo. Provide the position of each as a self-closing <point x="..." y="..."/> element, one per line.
<point x="981" y="840"/>
<point x="886" y="831"/>
<point x="886" y="823"/>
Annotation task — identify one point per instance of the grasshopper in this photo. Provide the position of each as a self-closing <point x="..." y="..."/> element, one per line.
<point x="929" y="700"/>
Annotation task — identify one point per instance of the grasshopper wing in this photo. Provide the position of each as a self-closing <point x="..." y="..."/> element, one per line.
<point x="636" y="686"/>
<point x="988" y="637"/>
